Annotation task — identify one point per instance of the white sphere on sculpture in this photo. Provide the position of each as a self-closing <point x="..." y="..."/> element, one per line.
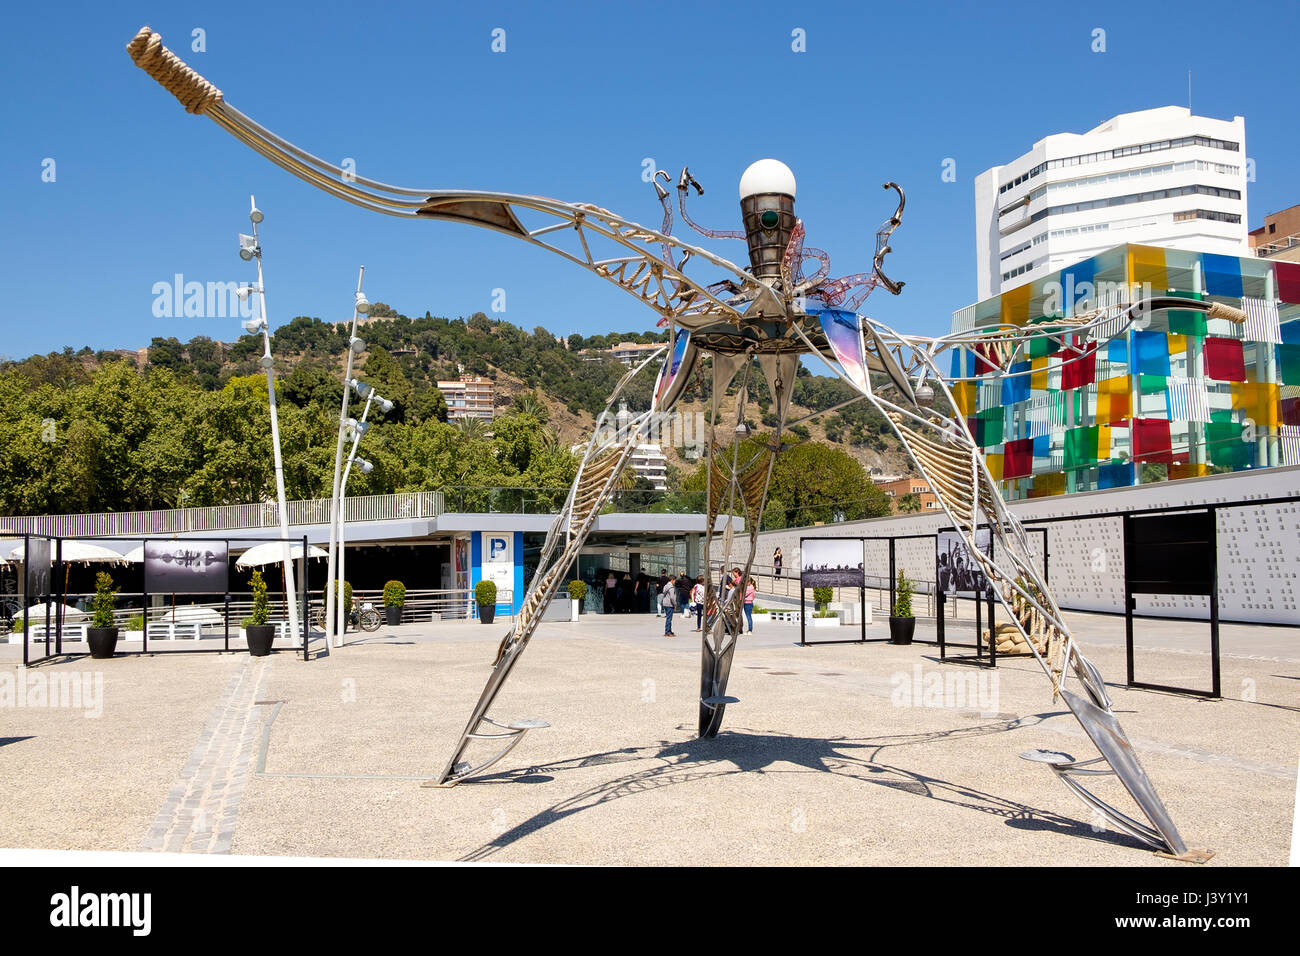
<point x="766" y="176"/>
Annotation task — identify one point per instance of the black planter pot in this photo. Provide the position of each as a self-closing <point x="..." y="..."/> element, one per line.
<point x="393" y="614"/>
<point x="260" y="637"/>
<point x="901" y="629"/>
<point x="102" y="641"/>
<point x="582" y="605"/>
<point x="487" y="613"/>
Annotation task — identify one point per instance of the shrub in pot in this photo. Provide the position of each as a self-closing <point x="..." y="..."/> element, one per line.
<point x="578" y="592"/>
<point x="347" y="602"/>
<point x="102" y="634"/>
<point x="902" y="623"/>
<point x="485" y="596"/>
<point x="394" y="601"/>
<point x="259" y="633"/>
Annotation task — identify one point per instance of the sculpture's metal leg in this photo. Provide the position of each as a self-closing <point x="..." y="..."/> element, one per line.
<point x="946" y="455"/>
<point x="597" y="479"/>
<point x="735" y="485"/>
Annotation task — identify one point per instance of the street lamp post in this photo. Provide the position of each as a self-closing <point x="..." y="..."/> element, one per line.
<point x="358" y="428"/>
<point x="355" y="346"/>
<point x="250" y="248"/>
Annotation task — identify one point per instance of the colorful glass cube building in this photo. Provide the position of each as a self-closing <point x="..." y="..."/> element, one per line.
<point x="1178" y="395"/>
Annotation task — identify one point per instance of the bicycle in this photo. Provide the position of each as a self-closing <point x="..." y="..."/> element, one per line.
<point x="363" y="616"/>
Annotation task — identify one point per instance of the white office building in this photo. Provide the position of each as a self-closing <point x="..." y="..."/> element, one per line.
<point x="1159" y="177"/>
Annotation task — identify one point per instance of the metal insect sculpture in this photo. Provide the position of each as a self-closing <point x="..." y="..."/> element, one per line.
<point x="763" y="319"/>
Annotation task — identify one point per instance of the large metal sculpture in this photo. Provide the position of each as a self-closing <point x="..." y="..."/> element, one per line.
<point x="764" y="319"/>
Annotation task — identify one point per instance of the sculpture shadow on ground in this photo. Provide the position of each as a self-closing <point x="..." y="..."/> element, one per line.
<point x="747" y="752"/>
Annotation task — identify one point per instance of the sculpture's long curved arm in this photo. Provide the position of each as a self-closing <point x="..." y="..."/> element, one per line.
<point x="616" y="249"/>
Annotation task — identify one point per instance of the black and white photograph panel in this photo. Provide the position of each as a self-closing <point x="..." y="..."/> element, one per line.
<point x="831" y="562"/>
<point x="958" y="572"/>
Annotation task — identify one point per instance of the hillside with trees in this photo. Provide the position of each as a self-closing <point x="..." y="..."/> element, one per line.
<point x="97" y="431"/>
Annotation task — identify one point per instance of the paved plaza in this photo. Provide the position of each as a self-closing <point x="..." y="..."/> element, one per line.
<point x="827" y="759"/>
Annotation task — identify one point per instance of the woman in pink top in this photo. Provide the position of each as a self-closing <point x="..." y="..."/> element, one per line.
<point x="750" y="589"/>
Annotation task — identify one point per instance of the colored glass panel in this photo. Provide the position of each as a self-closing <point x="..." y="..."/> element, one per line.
<point x="1151" y="440"/>
<point x="1015" y="387"/>
<point x="1043" y="346"/>
<point x="1079" y="366"/>
<point x="1038" y="377"/>
<point x="1117" y="351"/>
<point x="1258" y="401"/>
<point x="1047" y="485"/>
<point x="1221" y="275"/>
<point x="1224" y="359"/>
<point x="1286" y="275"/>
<point x="1017" y="459"/>
<point x="1227" y="450"/>
<point x="1290" y="411"/>
<point x="1015" y="304"/>
<point x="994" y="463"/>
<point x="1116" y="475"/>
<point x="963" y="394"/>
<point x="1288" y="364"/>
<point x="1151" y="348"/>
<point x="1147" y="266"/>
<point x="990" y="426"/>
<point x="1183" y="321"/>
<point x="1177" y="344"/>
<point x="1151" y="384"/>
<point x="1187" y="470"/>
<point x="1080" y="447"/>
<point x="1113" y="399"/>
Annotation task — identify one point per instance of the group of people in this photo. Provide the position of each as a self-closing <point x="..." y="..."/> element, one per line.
<point x="681" y="594"/>
<point x="671" y="595"/>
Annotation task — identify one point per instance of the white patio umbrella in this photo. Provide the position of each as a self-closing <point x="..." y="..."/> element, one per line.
<point x="81" y="551"/>
<point x="36" y="613"/>
<point x="272" y="552"/>
<point x="193" y="614"/>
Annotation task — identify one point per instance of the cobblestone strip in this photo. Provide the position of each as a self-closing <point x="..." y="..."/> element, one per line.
<point x="199" y="813"/>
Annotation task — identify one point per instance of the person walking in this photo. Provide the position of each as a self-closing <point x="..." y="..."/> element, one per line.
<point x="697" y="601"/>
<point x="751" y="589"/>
<point x="668" y="601"/>
<point x="777" y="561"/>
<point x="611" y="589"/>
<point x="659" y="589"/>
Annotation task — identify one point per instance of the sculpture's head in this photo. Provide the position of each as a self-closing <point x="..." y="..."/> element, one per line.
<point x="767" y="208"/>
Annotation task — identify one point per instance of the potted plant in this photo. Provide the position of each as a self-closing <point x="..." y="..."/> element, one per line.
<point x="347" y="602"/>
<point x="901" y="622"/>
<point x="394" y="601"/>
<point x="823" y="616"/>
<point x="258" y="633"/>
<point x="102" y="634"/>
<point x="485" y="596"/>
<point x="578" y="595"/>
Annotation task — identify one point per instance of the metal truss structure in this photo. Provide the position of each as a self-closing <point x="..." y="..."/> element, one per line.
<point x="762" y="320"/>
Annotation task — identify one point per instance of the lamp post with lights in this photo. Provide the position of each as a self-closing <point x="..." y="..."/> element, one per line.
<point x="357" y="428"/>
<point x="250" y="249"/>
<point x="361" y="306"/>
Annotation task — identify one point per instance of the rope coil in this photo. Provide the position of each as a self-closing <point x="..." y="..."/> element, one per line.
<point x="194" y="92"/>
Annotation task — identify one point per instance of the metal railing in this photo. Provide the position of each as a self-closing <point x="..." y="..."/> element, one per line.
<point x="786" y="584"/>
<point x="410" y="504"/>
<point x="1277" y="245"/>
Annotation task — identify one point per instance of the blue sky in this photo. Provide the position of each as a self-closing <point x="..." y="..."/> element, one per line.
<point x="583" y="94"/>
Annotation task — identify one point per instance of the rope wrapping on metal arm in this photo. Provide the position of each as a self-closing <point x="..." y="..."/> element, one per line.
<point x="195" y="93"/>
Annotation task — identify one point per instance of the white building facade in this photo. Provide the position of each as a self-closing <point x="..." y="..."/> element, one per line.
<point x="1159" y="177"/>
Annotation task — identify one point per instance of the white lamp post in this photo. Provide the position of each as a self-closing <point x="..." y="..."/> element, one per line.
<point x="250" y="248"/>
<point x="355" y="346"/>
<point x="358" y="428"/>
